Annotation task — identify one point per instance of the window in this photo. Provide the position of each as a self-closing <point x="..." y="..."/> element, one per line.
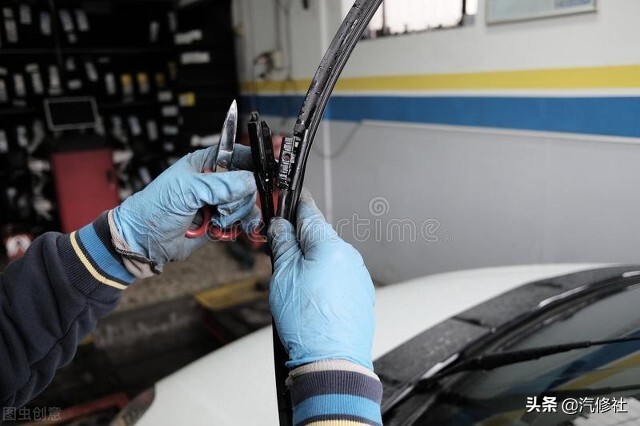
<point x="408" y="16"/>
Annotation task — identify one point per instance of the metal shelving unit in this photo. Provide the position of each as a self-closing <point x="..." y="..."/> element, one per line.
<point x="78" y="57"/>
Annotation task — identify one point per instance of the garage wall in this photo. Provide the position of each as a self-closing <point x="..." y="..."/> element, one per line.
<point x="475" y="146"/>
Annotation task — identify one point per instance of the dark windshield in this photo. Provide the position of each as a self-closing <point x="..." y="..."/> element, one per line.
<point x="601" y="382"/>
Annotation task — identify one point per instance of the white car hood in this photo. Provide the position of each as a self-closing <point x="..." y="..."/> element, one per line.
<point x="235" y="384"/>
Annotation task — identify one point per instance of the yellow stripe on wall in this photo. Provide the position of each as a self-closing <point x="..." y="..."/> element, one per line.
<point x="618" y="77"/>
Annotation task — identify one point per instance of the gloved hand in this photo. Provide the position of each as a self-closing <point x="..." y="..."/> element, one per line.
<point x="322" y="296"/>
<point x="153" y="221"/>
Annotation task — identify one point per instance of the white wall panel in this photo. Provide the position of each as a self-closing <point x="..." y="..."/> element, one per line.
<point x="500" y="198"/>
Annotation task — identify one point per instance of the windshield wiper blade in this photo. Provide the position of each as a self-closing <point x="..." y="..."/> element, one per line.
<point x="496" y="360"/>
<point x="492" y="361"/>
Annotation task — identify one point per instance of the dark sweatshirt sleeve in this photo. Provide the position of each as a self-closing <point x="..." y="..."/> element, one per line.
<point x="49" y="300"/>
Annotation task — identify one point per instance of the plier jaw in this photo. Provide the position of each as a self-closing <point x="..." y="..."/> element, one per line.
<point x="227" y="140"/>
<point x="221" y="163"/>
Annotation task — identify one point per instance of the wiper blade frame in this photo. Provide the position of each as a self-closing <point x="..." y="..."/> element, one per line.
<point x="496" y="360"/>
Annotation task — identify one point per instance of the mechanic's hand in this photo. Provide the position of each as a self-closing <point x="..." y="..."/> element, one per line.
<point x="153" y="221"/>
<point x="322" y="296"/>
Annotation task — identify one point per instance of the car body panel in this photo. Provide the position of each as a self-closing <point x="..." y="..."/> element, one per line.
<point x="235" y="384"/>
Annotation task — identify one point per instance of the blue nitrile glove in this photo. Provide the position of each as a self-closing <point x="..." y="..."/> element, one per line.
<point x="322" y="296"/>
<point x="153" y="221"/>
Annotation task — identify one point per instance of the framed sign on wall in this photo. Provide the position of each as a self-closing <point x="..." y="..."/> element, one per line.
<point x="499" y="11"/>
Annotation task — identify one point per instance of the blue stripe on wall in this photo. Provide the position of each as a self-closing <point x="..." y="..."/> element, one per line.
<point x="615" y="116"/>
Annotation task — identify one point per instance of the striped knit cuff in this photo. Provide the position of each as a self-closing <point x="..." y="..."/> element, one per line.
<point x="335" y="392"/>
<point x="93" y="265"/>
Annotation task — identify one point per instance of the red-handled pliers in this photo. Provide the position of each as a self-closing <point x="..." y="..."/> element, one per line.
<point x="222" y="163"/>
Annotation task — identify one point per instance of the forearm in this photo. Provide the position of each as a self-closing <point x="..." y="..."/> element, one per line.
<point x="51" y="298"/>
<point x="335" y="392"/>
